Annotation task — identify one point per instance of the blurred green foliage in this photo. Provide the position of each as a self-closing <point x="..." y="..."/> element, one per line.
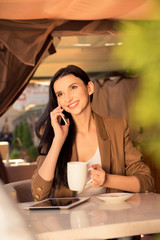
<point x="140" y="52"/>
<point x="22" y="143"/>
<point x="26" y="135"/>
<point x="32" y="153"/>
<point x="15" y="154"/>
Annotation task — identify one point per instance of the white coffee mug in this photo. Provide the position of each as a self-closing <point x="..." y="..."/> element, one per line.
<point x="77" y="175"/>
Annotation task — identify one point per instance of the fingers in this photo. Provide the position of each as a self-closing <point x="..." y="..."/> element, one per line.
<point x="56" y="115"/>
<point x="97" y="175"/>
<point x="56" y="112"/>
<point x="95" y="167"/>
<point x="60" y="131"/>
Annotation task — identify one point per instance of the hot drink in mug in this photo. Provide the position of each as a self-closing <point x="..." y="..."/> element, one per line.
<point x="77" y="173"/>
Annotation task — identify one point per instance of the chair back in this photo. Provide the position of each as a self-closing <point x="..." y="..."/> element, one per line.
<point x="20" y="191"/>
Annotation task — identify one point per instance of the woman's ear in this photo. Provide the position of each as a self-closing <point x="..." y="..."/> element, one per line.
<point x="90" y="87"/>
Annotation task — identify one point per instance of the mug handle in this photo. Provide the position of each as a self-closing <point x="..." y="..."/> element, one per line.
<point x="89" y="182"/>
<point x="90" y="179"/>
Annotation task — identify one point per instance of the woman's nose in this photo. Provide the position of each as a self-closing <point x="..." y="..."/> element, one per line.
<point x="68" y="97"/>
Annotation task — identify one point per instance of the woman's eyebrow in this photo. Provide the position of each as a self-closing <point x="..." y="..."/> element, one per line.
<point x="68" y="87"/>
<point x="72" y="84"/>
<point x="58" y="92"/>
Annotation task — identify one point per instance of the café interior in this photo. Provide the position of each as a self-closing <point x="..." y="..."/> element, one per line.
<point x="38" y="37"/>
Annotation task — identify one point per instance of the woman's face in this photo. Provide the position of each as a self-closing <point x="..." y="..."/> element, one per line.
<point x="72" y="94"/>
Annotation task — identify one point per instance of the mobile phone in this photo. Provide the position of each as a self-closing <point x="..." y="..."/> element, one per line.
<point x="65" y="120"/>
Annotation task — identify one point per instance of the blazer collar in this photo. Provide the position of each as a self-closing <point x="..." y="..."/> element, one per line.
<point x="104" y="143"/>
<point x="101" y="130"/>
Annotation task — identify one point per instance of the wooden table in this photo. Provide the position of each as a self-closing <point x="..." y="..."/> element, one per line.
<point x="98" y="220"/>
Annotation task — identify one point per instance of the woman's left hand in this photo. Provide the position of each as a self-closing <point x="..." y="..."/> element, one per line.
<point x="97" y="175"/>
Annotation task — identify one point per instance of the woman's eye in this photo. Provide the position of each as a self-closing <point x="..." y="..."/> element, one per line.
<point x="74" y="87"/>
<point x="59" y="94"/>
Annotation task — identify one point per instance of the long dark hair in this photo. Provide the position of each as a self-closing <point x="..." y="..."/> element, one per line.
<point x="44" y="122"/>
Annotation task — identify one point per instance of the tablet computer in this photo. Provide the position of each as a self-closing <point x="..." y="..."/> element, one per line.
<point x="58" y="203"/>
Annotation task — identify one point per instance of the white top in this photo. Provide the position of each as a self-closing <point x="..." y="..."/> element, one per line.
<point x="90" y="191"/>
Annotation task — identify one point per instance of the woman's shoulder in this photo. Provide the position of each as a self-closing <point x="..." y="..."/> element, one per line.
<point x="111" y="121"/>
<point x="115" y="121"/>
<point x="112" y="126"/>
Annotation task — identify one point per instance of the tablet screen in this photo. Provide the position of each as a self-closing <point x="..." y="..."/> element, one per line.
<point x="60" y="203"/>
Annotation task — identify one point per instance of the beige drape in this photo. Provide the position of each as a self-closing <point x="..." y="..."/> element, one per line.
<point x="23" y="45"/>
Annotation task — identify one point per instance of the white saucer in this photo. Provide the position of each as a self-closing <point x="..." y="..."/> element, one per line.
<point x="114" y="197"/>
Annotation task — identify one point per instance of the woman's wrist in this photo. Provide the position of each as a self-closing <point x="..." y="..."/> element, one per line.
<point x="58" y="142"/>
<point x="105" y="180"/>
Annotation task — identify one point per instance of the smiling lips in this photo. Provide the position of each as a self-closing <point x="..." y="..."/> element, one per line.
<point x="73" y="105"/>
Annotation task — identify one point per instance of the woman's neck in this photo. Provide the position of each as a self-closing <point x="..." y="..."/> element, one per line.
<point x="84" y="122"/>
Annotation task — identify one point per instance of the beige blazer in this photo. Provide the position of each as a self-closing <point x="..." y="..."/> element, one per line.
<point x="118" y="156"/>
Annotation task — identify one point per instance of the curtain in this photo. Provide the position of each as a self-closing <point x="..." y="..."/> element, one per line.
<point x="23" y="45"/>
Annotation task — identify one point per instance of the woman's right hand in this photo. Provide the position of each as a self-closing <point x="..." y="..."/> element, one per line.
<point x="61" y="131"/>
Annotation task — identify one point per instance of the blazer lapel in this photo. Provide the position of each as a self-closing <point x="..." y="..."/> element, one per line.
<point x="104" y="143"/>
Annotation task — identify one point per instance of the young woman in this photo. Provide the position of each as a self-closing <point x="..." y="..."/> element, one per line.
<point x="102" y="142"/>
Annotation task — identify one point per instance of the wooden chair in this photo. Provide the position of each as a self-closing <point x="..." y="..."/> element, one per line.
<point x="20" y="191"/>
<point x="3" y="171"/>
